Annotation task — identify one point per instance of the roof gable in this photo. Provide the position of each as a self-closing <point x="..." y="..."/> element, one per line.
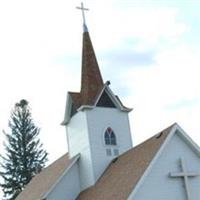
<point x="188" y="140"/>
<point x="105" y="101"/>
<point x="175" y="130"/>
<point x="175" y="150"/>
<point x="107" y="98"/>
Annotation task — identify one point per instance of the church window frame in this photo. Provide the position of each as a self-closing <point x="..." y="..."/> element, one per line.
<point x="110" y="137"/>
<point x="116" y="152"/>
<point x="109" y="152"/>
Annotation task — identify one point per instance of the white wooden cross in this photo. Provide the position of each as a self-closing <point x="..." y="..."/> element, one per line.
<point x="83" y="9"/>
<point x="185" y="175"/>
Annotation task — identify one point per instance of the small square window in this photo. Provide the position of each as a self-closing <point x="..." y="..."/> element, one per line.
<point x="116" y="152"/>
<point x="108" y="152"/>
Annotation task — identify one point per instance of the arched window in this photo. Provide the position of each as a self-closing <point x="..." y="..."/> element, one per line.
<point x="109" y="137"/>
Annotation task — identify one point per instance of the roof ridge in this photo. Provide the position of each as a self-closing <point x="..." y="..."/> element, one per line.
<point x="157" y="135"/>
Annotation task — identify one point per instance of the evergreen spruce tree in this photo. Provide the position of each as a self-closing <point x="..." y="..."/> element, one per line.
<point x="24" y="156"/>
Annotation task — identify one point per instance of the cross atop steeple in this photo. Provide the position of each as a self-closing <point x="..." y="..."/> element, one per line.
<point x="83" y="14"/>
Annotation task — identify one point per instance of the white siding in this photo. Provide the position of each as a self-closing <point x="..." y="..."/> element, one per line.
<point x="99" y="119"/>
<point x="159" y="185"/>
<point x="68" y="187"/>
<point x="85" y="133"/>
<point x="78" y="142"/>
<point x="77" y="131"/>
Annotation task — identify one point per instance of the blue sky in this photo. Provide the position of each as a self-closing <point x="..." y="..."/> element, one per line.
<point x="149" y="50"/>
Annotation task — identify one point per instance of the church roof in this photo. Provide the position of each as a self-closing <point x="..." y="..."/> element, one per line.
<point x="45" y="180"/>
<point x="118" y="180"/>
<point x="123" y="173"/>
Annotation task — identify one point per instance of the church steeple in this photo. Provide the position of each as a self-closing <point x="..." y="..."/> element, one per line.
<point x="93" y="118"/>
<point x="91" y="79"/>
<point x="93" y="91"/>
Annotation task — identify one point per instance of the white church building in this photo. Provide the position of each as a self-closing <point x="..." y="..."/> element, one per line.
<point x="102" y="164"/>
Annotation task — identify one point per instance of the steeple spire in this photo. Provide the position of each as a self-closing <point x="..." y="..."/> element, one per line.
<point x="93" y="91"/>
<point x="91" y="80"/>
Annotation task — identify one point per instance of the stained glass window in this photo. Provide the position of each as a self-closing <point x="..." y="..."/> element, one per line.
<point x="109" y="137"/>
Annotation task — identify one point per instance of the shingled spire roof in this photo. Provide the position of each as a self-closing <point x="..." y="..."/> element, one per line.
<point x="91" y="80"/>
